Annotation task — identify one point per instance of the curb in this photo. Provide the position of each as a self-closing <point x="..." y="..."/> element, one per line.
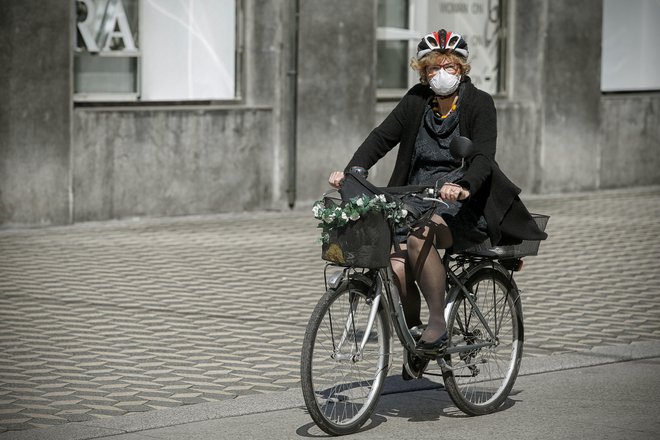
<point x="262" y="403"/>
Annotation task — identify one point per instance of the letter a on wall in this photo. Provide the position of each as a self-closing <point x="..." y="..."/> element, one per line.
<point x="115" y="25"/>
<point x="104" y="26"/>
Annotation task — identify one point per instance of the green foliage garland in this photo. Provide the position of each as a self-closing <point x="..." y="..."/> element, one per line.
<point x="336" y="216"/>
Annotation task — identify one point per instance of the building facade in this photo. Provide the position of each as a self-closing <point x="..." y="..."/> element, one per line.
<point x="303" y="88"/>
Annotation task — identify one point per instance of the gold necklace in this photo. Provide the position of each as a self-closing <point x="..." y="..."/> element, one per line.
<point x="453" y="107"/>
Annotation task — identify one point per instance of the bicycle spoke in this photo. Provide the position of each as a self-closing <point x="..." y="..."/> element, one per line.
<point x="341" y="379"/>
<point x="479" y="379"/>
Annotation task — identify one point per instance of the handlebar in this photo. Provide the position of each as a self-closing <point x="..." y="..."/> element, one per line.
<point x="423" y="192"/>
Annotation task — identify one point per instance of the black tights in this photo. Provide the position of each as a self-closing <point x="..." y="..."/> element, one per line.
<point x="418" y="264"/>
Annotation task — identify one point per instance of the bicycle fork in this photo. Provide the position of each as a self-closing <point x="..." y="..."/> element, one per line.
<point x="349" y="327"/>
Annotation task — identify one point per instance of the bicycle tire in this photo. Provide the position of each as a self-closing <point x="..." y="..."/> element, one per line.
<point x="341" y="390"/>
<point x="479" y="381"/>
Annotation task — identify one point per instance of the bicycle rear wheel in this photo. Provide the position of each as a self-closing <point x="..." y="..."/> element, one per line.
<point x="479" y="380"/>
<point x="341" y="383"/>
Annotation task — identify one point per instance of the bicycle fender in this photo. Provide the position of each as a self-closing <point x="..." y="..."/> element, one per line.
<point x="449" y="301"/>
<point x="359" y="280"/>
<point x="486" y="265"/>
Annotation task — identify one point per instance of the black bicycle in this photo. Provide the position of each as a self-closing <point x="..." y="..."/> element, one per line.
<point x="347" y="348"/>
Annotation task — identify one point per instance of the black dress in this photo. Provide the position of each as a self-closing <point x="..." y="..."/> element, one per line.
<point x="433" y="164"/>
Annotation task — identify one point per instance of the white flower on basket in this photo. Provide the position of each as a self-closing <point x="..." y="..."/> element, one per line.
<point x="335" y="216"/>
<point x="328" y="217"/>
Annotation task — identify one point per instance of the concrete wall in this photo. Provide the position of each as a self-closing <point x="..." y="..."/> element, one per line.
<point x="521" y="136"/>
<point x="170" y="162"/>
<point x="571" y="97"/>
<point x="588" y="140"/>
<point x="517" y="151"/>
<point x="630" y="142"/>
<point x="35" y="112"/>
<point x="267" y="57"/>
<point x="337" y="95"/>
<point x="557" y="131"/>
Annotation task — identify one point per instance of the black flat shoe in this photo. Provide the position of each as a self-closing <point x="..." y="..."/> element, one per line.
<point x="433" y="347"/>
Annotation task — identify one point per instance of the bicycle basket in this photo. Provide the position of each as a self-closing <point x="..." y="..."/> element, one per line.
<point x="524" y="249"/>
<point x="365" y="242"/>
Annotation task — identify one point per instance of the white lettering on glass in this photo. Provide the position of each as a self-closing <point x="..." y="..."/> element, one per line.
<point x="86" y="28"/>
<point x="103" y="32"/>
<point x="115" y="18"/>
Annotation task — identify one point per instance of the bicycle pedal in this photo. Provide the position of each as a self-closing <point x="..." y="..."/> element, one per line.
<point x="414" y="367"/>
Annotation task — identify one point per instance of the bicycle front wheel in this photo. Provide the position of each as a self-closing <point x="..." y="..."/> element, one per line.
<point x="479" y="379"/>
<point x="341" y="378"/>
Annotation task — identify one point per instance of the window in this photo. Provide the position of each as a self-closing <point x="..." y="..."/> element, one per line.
<point x="155" y="50"/>
<point x="107" y="59"/>
<point x="396" y="38"/>
<point x="401" y="24"/>
<point x="630" y="60"/>
<point x="188" y="49"/>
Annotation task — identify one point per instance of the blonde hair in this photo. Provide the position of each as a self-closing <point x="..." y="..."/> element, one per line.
<point x="434" y="58"/>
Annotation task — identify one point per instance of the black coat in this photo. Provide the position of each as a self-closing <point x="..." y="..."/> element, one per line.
<point x="508" y="219"/>
<point x="477" y="121"/>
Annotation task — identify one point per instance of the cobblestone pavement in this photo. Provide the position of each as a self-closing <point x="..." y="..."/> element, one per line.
<point x="103" y="319"/>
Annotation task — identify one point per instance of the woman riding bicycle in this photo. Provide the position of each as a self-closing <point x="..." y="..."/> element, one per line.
<point x="444" y="105"/>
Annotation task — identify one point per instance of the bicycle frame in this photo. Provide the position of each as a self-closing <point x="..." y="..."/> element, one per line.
<point x="392" y="301"/>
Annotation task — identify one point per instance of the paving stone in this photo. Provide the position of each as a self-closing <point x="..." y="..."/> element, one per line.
<point x="15" y="424"/>
<point x="138" y="316"/>
<point x="163" y="403"/>
<point x="134" y="408"/>
<point x="78" y="417"/>
<point x="66" y="404"/>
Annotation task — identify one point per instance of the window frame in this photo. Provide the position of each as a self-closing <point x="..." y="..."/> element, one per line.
<point x="133" y="99"/>
<point x="416" y="13"/>
<point x="398" y="34"/>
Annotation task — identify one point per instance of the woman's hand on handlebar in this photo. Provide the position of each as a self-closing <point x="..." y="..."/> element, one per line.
<point x="336" y="179"/>
<point x="452" y="192"/>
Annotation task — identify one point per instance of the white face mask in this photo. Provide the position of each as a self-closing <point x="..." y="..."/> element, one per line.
<point x="444" y="83"/>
